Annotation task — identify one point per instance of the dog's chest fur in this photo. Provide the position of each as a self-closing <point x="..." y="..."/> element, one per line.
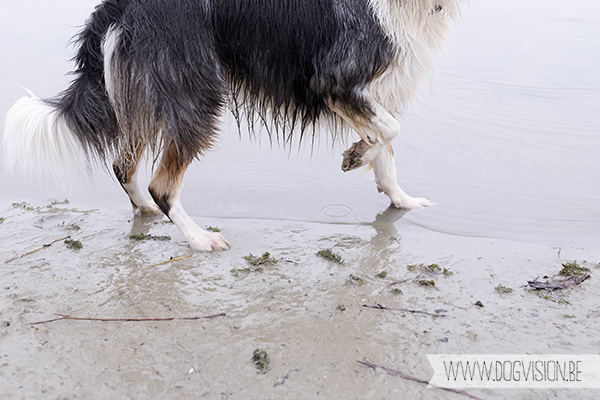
<point x="418" y="29"/>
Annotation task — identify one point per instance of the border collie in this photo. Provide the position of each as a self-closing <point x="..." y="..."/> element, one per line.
<point x="155" y="76"/>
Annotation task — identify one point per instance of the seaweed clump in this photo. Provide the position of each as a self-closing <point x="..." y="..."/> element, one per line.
<point x="425" y="282"/>
<point x="261" y="361"/>
<point x="23" y="205"/>
<point x="382" y="275"/>
<point x="572" y="269"/>
<point x="73" y="244"/>
<point x="257" y="264"/>
<point x="432" y="269"/>
<point x="143" y="236"/>
<point x="503" y="289"/>
<point x="328" y="254"/>
<point x="265" y="260"/>
<point x="354" y="280"/>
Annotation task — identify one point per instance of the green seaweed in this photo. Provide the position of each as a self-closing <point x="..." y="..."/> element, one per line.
<point x="425" y="282"/>
<point x="213" y="229"/>
<point x="73" y="244"/>
<point x="573" y="268"/>
<point x="433" y="269"/>
<point x="396" y="291"/>
<point x="355" y="280"/>
<point x="2" y="219"/>
<point x="143" y="236"/>
<point x="56" y="202"/>
<point x="328" y="254"/>
<point x="265" y="259"/>
<point x="74" y="227"/>
<point x="257" y="264"/>
<point x="261" y="361"/>
<point x="382" y="275"/>
<point x="23" y="205"/>
<point x="341" y="307"/>
<point x="503" y="289"/>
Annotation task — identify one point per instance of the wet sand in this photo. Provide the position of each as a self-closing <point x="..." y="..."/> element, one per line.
<point x="506" y="146"/>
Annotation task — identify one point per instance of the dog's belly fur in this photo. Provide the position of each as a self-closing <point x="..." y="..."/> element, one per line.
<point x="302" y="56"/>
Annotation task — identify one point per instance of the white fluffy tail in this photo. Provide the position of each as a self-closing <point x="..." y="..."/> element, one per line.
<point x="38" y="142"/>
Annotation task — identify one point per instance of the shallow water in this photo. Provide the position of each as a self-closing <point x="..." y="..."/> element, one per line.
<point x="506" y="145"/>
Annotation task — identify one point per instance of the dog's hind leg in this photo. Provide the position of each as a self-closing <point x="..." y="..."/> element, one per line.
<point x="125" y="168"/>
<point x="385" y="178"/>
<point x="165" y="189"/>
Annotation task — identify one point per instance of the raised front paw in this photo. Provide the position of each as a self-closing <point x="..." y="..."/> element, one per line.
<point x="353" y="157"/>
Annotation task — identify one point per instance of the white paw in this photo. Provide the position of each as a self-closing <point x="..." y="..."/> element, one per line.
<point x="148" y="209"/>
<point x="208" y="241"/>
<point x="411" y="203"/>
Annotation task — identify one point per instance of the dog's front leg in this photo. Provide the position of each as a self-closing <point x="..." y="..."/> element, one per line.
<point x="376" y="131"/>
<point x="385" y="178"/>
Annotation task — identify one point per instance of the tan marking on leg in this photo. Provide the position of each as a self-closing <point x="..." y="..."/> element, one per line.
<point x="165" y="188"/>
<point x="125" y="167"/>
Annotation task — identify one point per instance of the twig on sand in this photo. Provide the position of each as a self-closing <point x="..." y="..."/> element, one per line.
<point x="558" y="284"/>
<point x="381" y="307"/>
<point x="171" y="260"/>
<point x="38" y="249"/>
<point x="403" y="375"/>
<point x="398" y="282"/>
<point x="63" y="317"/>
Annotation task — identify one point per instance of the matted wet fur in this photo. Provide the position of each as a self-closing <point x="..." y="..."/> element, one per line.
<point x="156" y="75"/>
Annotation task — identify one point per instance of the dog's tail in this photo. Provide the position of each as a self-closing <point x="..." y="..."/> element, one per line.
<point x="56" y="135"/>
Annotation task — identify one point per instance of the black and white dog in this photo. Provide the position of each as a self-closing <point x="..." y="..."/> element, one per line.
<point x="155" y="76"/>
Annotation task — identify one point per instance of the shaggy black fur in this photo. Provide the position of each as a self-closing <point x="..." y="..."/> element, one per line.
<point x="177" y="62"/>
<point x="85" y="104"/>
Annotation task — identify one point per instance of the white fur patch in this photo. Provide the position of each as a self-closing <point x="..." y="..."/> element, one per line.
<point x="37" y="142"/>
<point x="109" y="44"/>
<point x="385" y="178"/>
<point x="141" y="205"/>
<point x="418" y="30"/>
<point x="198" y="238"/>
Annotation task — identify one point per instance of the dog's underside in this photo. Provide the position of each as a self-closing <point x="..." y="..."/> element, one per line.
<point x="156" y="75"/>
